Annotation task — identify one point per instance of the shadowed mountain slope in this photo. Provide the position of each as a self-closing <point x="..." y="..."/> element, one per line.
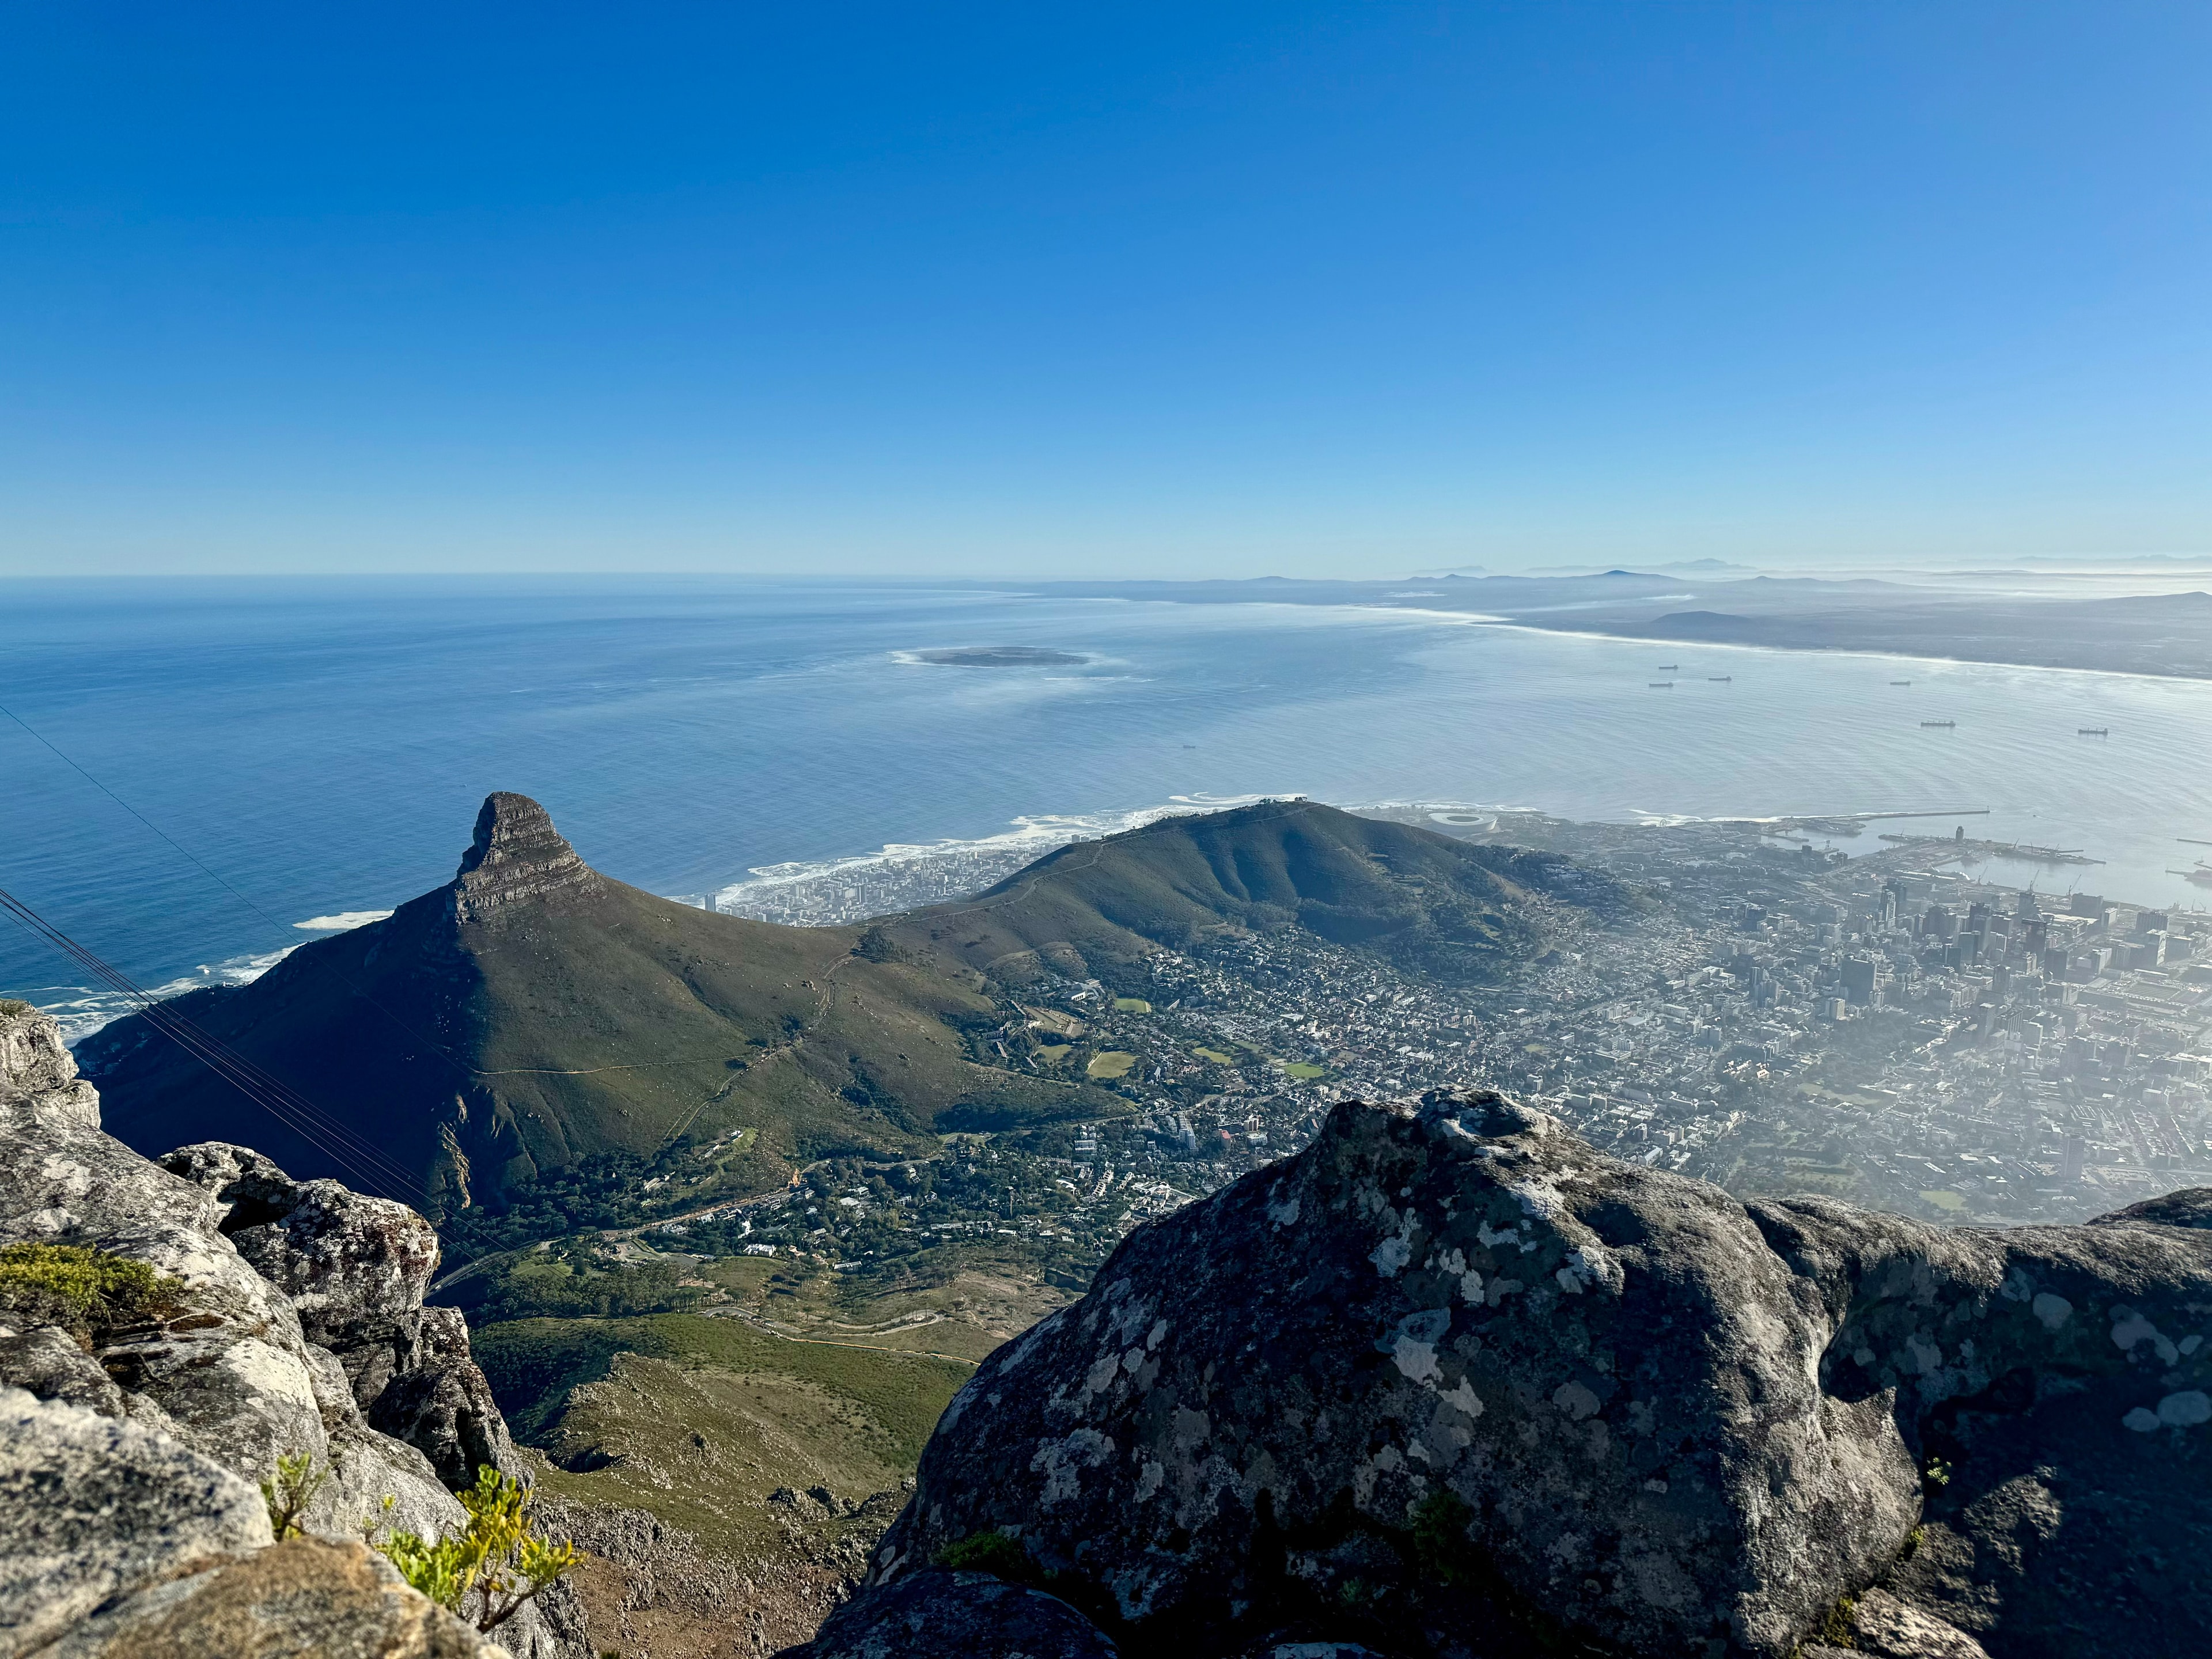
<point x="533" y="1013"/>
<point x="1425" y="903"/>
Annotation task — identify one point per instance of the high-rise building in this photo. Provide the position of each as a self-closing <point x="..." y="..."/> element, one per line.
<point x="1859" y="973"/>
<point x="2072" y="1158"/>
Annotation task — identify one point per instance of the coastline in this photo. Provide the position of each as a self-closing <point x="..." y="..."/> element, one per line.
<point x="1633" y="634"/>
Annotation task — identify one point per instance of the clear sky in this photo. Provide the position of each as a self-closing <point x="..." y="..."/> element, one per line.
<point x="1123" y="288"/>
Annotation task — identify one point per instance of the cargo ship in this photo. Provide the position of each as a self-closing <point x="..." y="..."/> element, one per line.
<point x="1946" y="725"/>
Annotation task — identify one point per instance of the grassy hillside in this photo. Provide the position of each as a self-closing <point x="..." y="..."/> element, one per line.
<point x="702" y="1420"/>
<point x="1425" y="902"/>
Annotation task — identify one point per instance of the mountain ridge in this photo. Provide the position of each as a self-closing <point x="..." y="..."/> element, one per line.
<point x="532" y="1013"/>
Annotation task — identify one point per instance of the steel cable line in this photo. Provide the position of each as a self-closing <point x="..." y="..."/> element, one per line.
<point x="365" y="1163"/>
<point x="258" y="1085"/>
<point x="358" y="1157"/>
<point x="284" y="932"/>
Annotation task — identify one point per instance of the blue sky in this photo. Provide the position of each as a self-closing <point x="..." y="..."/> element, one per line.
<point x="1152" y="291"/>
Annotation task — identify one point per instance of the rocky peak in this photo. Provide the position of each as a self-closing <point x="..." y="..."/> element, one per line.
<point x="517" y="854"/>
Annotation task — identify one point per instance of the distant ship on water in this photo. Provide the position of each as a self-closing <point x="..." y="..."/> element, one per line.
<point x="2092" y="731"/>
<point x="1900" y="682"/>
<point x="1946" y="725"/>
<point x="1661" y="685"/>
<point x="1719" y="679"/>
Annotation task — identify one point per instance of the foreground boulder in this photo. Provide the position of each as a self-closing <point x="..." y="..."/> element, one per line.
<point x="306" y="1596"/>
<point x="93" y="1506"/>
<point x="1450" y="1382"/>
<point x="293" y="1324"/>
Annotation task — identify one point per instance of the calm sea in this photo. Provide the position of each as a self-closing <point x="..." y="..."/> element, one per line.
<point x="322" y="746"/>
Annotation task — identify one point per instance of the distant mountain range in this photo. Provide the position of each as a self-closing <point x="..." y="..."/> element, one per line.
<point x="532" y="1013"/>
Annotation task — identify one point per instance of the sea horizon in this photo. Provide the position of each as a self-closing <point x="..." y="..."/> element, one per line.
<point x="733" y="736"/>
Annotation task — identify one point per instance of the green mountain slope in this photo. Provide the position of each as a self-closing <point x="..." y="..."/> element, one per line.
<point x="534" y="1012"/>
<point x="1425" y="903"/>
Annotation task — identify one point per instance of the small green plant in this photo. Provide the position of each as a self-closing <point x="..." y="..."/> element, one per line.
<point x="1938" y="1473"/>
<point x="498" y="1559"/>
<point x="81" y="1290"/>
<point x="9" y="1008"/>
<point x="1913" y="1540"/>
<point x="289" y="1493"/>
<point x="378" y="1520"/>
<point x="1837" y="1627"/>
<point x="991" y="1551"/>
<point x="1440" y="1543"/>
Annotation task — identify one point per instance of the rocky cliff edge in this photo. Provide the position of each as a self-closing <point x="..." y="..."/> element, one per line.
<point x="130" y="1517"/>
<point x="1452" y="1382"/>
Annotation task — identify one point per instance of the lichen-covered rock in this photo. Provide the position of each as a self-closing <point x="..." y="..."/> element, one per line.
<point x="230" y="1371"/>
<point x="93" y="1507"/>
<point x="1883" y="1627"/>
<point x="366" y="1469"/>
<point x="1450" y="1381"/>
<point x="334" y="1601"/>
<point x="2190" y="1208"/>
<point x="37" y="1077"/>
<point x="959" y="1615"/>
<point x="355" y="1268"/>
<point x="2058" y="1380"/>
<point x="64" y="1181"/>
<point x="249" y="1187"/>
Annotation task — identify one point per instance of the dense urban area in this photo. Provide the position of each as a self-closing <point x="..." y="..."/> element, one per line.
<point x="1783" y="1015"/>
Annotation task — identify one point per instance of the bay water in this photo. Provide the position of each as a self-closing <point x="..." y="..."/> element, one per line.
<point x="321" y="746"/>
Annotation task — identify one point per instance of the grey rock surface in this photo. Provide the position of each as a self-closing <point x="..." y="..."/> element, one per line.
<point x="443" y="1404"/>
<point x="92" y="1508"/>
<point x="1451" y="1382"/>
<point x="354" y="1267"/>
<point x="959" y="1615"/>
<point x="47" y="1364"/>
<point x="308" y="1597"/>
<point x="216" y="1393"/>
<point x="1887" y="1628"/>
<point x="37" y="1077"/>
<point x="231" y="1372"/>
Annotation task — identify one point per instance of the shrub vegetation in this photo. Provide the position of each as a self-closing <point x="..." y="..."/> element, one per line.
<point x="81" y="1290"/>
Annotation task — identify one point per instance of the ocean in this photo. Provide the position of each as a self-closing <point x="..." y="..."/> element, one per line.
<point x="321" y="746"/>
